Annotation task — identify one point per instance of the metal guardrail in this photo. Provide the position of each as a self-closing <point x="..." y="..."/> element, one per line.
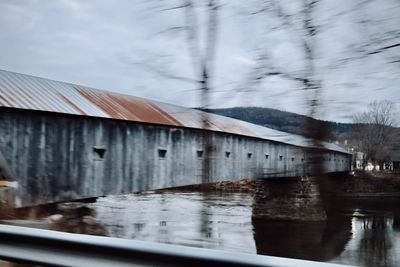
<point x="51" y="248"/>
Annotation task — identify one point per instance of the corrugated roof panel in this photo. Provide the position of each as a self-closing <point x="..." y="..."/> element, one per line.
<point x="125" y="107"/>
<point x="230" y="125"/>
<point x="190" y="118"/>
<point x="72" y="96"/>
<point x="9" y="92"/>
<point x="194" y="119"/>
<point x="3" y="101"/>
<point x="44" y="95"/>
<point x="52" y="97"/>
<point x="278" y="136"/>
<point x="28" y="92"/>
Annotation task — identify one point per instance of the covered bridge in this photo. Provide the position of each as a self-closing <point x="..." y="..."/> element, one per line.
<point x="62" y="141"/>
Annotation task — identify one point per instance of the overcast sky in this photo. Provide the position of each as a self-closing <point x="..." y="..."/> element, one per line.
<point x="101" y="43"/>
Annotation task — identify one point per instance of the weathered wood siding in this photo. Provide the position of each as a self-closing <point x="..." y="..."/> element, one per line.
<point x="53" y="156"/>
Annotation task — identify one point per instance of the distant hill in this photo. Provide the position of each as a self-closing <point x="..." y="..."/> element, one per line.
<point x="282" y="120"/>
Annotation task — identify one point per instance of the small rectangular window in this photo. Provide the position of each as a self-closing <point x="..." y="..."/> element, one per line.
<point x="99" y="153"/>
<point x="227" y="154"/>
<point x="199" y="153"/>
<point x="162" y="153"/>
<point x="292" y="159"/>
<point x="280" y="157"/>
<point x="249" y="155"/>
<point x="302" y="159"/>
<point x="266" y="156"/>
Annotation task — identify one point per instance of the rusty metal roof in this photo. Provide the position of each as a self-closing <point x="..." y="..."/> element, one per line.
<point x="33" y="93"/>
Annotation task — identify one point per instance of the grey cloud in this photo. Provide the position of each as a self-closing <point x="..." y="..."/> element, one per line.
<point x="98" y="43"/>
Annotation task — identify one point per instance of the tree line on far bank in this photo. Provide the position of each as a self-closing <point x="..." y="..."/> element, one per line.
<point x="373" y="132"/>
<point x="283" y="120"/>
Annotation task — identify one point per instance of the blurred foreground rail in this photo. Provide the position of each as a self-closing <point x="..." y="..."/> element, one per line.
<point x="51" y="248"/>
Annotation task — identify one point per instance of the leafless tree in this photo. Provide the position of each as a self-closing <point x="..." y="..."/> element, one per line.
<point x="203" y="66"/>
<point x="202" y="53"/>
<point x="375" y="131"/>
<point x="307" y="22"/>
<point x="304" y="29"/>
<point x="303" y="23"/>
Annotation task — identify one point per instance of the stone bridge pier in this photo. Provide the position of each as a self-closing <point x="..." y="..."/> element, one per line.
<point x="290" y="198"/>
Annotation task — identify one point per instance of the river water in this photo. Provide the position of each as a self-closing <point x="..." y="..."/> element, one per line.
<point x="363" y="232"/>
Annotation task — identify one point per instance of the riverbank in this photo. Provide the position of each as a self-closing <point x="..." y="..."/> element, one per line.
<point x="359" y="184"/>
<point x="363" y="184"/>
<point x="239" y="186"/>
<point x="215" y="216"/>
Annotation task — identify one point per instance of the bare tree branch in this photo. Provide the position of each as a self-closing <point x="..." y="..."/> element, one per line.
<point x="174" y="8"/>
<point x="211" y="35"/>
<point x="162" y="72"/>
<point x="382" y="49"/>
<point x="192" y="35"/>
<point x="172" y="30"/>
<point x="374" y="131"/>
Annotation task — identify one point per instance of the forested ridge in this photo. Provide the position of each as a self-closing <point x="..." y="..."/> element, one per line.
<point x="282" y="120"/>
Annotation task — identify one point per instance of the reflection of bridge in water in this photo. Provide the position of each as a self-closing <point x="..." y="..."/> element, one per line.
<point x="360" y="232"/>
<point x="63" y="142"/>
<point x="363" y="232"/>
